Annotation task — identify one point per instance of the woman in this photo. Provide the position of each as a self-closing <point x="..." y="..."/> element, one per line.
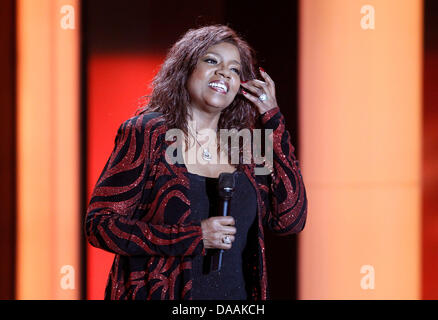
<point x="158" y="217"/>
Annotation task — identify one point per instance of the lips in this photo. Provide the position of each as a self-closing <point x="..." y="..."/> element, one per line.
<point x="219" y="86"/>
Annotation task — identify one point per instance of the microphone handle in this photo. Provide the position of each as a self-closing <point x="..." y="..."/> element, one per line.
<point x="225" y="207"/>
<point x="217" y="265"/>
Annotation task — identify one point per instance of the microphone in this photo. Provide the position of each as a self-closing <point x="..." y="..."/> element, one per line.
<point x="226" y="187"/>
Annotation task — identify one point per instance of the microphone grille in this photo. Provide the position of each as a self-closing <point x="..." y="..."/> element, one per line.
<point x="226" y="180"/>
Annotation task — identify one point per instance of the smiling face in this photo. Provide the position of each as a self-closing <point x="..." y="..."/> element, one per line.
<point x="215" y="80"/>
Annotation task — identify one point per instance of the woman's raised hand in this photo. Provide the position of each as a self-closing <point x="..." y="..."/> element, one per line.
<point x="215" y="229"/>
<point x="261" y="93"/>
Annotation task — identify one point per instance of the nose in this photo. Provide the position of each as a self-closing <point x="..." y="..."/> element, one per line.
<point x="224" y="72"/>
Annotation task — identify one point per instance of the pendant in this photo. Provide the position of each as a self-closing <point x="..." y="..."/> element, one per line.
<point x="206" y="155"/>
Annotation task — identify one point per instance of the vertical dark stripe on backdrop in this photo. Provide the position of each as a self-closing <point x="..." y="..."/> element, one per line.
<point x="7" y="149"/>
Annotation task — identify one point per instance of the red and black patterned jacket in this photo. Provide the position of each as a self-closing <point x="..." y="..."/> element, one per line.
<point x="140" y="210"/>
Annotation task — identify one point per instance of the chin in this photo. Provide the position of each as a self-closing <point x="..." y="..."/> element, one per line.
<point x="214" y="103"/>
<point x="217" y="108"/>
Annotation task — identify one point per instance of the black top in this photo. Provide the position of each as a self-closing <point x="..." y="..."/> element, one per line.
<point x="228" y="282"/>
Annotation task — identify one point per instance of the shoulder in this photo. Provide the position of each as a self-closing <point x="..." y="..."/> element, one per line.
<point x="142" y="128"/>
<point x="147" y="123"/>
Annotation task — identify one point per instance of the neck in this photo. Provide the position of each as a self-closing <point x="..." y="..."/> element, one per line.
<point x="204" y="119"/>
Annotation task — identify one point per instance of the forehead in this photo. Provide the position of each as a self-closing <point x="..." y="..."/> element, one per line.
<point x="226" y="50"/>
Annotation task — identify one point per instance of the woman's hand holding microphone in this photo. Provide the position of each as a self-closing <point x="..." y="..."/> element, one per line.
<point x="218" y="232"/>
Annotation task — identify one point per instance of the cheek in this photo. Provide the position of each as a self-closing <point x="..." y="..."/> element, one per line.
<point x="193" y="84"/>
<point x="198" y="78"/>
<point x="235" y="87"/>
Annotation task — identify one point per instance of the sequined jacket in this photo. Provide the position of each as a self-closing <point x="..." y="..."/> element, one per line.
<point x="140" y="211"/>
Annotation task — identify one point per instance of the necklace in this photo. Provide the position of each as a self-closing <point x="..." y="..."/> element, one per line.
<point x="206" y="155"/>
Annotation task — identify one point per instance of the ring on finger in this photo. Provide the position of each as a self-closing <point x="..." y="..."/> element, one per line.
<point x="226" y="239"/>
<point x="263" y="97"/>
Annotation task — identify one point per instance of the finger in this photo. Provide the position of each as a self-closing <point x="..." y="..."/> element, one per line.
<point x="227" y="220"/>
<point x="264" y="87"/>
<point x="260" y="84"/>
<point x="252" y="88"/>
<point x="253" y="99"/>
<point x="225" y="246"/>
<point x="268" y="80"/>
<point x="257" y="83"/>
<point x="229" y="230"/>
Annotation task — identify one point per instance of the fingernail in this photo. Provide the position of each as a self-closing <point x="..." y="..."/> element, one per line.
<point x="243" y="91"/>
<point x="262" y="70"/>
<point x="243" y="81"/>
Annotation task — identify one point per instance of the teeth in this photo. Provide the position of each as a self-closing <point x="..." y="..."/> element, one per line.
<point x="218" y="85"/>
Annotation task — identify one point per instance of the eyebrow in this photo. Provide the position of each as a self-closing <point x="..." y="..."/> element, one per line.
<point x="217" y="54"/>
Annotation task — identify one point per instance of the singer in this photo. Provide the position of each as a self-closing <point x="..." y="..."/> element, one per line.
<point x="163" y="220"/>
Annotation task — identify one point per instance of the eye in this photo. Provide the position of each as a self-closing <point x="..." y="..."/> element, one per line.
<point x="210" y="60"/>
<point x="236" y="70"/>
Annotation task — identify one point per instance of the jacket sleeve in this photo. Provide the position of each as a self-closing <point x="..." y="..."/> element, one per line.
<point x="110" y="222"/>
<point x="283" y="191"/>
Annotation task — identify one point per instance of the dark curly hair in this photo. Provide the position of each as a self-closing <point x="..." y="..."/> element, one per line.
<point x="169" y="92"/>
